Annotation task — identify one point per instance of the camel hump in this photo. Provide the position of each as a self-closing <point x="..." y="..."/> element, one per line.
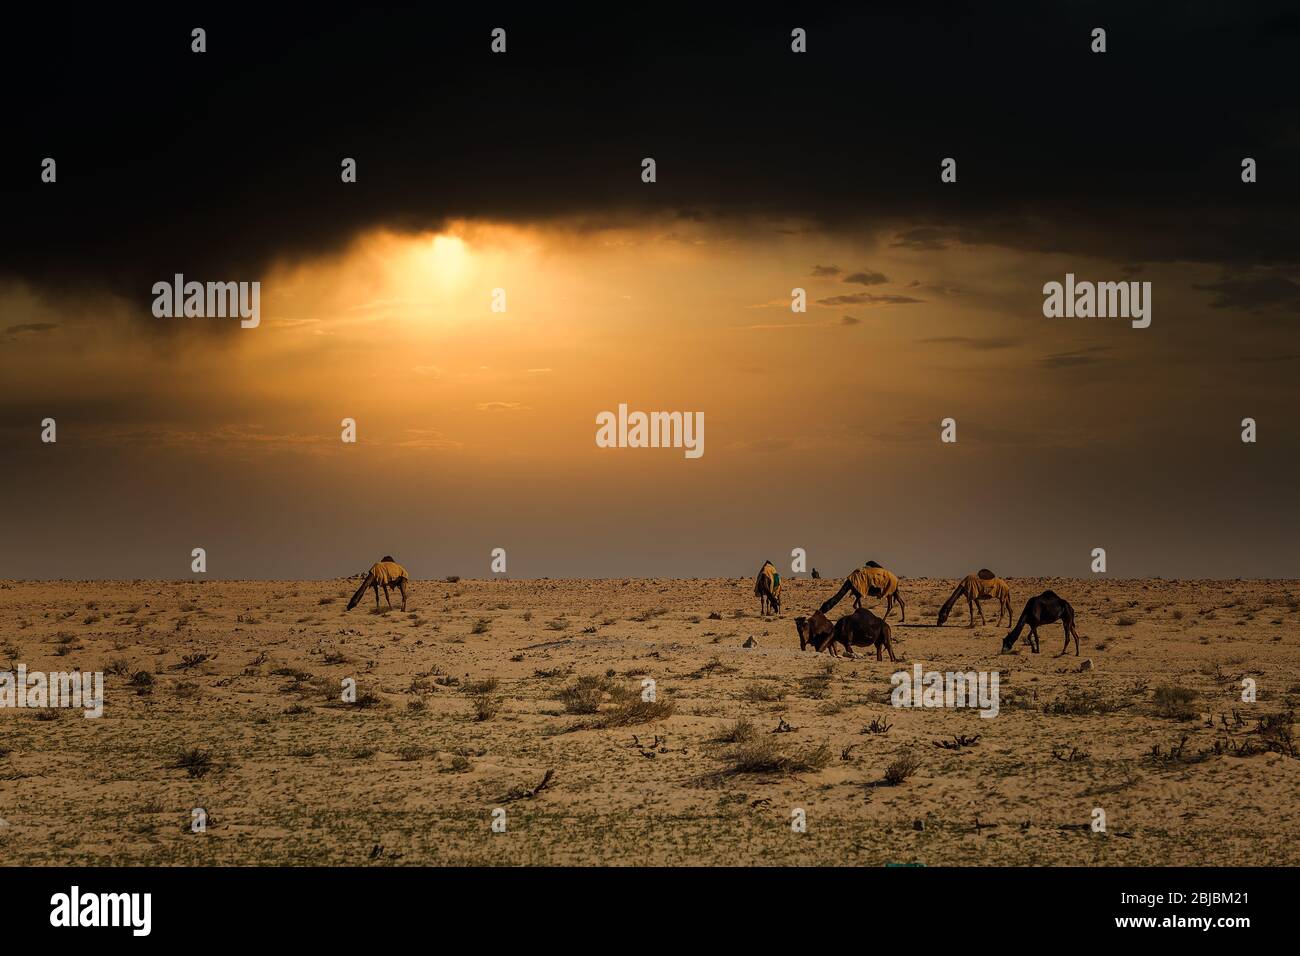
<point x="1050" y="594"/>
<point x="872" y="564"/>
<point x="985" y="574"/>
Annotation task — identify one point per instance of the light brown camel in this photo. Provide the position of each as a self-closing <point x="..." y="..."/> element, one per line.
<point x="976" y="588"/>
<point x="386" y="574"/>
<point x="767" y="588"/>
<point x="870" y="581"/>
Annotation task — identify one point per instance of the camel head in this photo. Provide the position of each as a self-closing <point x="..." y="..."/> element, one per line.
<point x="943" y="614"/>
<point x="1008" y="642"/>
<point x="813" y="629"/>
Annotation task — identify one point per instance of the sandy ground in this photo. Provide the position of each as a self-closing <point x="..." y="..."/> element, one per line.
<point x="462" y="710"/>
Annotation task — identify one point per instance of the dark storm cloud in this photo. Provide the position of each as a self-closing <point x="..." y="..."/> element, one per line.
<point x="217" y="164"/>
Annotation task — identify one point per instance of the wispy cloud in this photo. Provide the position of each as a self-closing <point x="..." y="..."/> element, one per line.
<point x="981" y="343"/>
<point x="1088" y="356"/>
<point x="868" y="298"/>
<point x="866" y="277"/>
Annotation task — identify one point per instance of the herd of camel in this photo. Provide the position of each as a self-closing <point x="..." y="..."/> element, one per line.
<point x="859" y="629"/>
<point x="864" y="629"/>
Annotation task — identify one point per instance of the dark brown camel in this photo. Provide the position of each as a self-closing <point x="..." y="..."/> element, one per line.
<point x="813" y="630"/>
<point x="1045" y="608"/>
<point x="859" y="629"/>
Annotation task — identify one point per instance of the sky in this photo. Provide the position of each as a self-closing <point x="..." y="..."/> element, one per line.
<point x="774" y="171"/>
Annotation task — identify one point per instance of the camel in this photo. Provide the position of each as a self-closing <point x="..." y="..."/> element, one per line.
<point x="815" y="630"/>
<point x="859" y="629"/>
<point x="816" y="575"/>
<point x="976" y="588"/>
<point x="767" y="588"/>
<point x="386" y="574"/>
<point x="1045" y="608"/>
<point x="870" y="580"/>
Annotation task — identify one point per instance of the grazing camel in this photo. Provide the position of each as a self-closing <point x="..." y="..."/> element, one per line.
<point x="870" y="581"/>
<point x="976" y="588"/>
<point x="861" y="629"/>
<point x="767" y="588"/>
<point x="386" y="574"/>
<point x="1045" y="608"/>
<point x="815" y="630"/>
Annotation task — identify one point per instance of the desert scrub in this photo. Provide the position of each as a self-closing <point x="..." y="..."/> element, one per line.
<point x="765" y="755"/>
<point x="760" y="693"/>
<point x="486" y="706"/>
<point x="1175" y="702"/>
<point x="902" y="768"/>
<point x="587" y="693"/>
<point x="635" y="711"/>
<point x="738" y="732"/>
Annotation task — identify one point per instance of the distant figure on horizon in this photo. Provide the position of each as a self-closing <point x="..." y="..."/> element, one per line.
<point x="386" y="574"/>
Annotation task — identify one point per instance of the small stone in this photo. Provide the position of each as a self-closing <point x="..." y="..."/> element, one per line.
<point x="751" y="642"/>
<point x="1086" y="665"/>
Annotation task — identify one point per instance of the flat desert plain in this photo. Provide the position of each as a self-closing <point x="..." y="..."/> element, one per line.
<point x="527" y="697"/>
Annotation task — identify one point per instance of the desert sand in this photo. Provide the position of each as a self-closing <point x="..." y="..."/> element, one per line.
<point x="226" y="696"/>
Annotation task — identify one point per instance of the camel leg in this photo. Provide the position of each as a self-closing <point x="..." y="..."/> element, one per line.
<point x="979" y="605"/>
<point x="1067" y="626"/>
<point x="901" y="607"/>
<point x="1033" y="638"/>
<point x="402" y="586"/>
<point x="376" y="587"/>
<point x="387" y="599"/>
<point x="970" y="611"/>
